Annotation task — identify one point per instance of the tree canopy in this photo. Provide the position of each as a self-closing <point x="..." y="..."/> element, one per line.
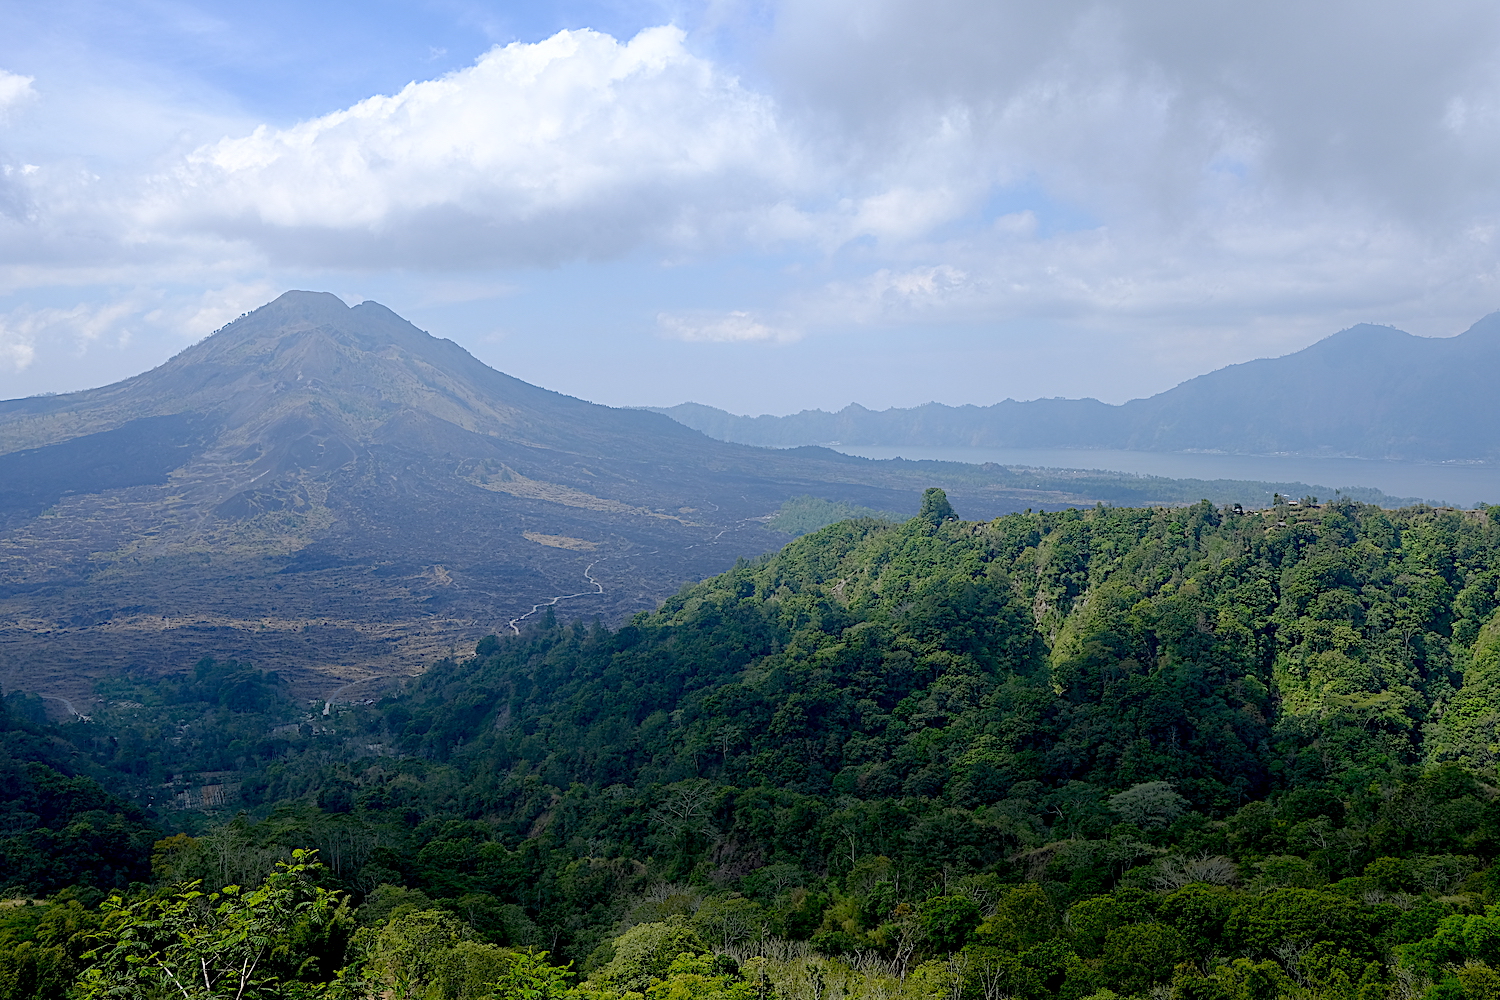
<point x="1091" y="753"/>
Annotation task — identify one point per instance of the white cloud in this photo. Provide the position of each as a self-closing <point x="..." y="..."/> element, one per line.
<point x="17" y="349"/>
<point x="1127" y="106"/>
<point x="22" y="327"/>
<point x="1160" y="168"/>
<point x="1105" y="277"/>
<point x="576" y="146"/>
<point x="14" y="89"/>
<point x="1164" y="170"/>
<point x="877" y="124"/>
<point x="733" y="327"/>
<point x="891" y="295"/>
<point x="178" y="318"/>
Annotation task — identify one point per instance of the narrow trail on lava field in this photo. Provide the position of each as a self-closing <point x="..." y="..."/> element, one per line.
<point x="515" y="623"/>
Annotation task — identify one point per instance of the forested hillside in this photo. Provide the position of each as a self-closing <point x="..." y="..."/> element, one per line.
<point x="1091" y="753"/>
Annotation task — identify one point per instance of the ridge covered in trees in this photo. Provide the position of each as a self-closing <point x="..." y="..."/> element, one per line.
<point x="1092" y="753"/>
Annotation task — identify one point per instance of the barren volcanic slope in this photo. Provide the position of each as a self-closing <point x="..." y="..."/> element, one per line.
<point x="332" y="493"/>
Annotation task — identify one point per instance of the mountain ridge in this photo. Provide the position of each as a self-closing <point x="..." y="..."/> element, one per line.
<point x="1366" y="392"/>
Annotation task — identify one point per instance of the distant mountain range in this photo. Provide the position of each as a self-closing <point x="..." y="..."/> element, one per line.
<point x="337" y="495"/>
<point x="1367" y="392"/>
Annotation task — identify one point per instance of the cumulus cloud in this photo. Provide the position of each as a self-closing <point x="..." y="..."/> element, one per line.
<point x="113" y="321"/>
<point x="576" y="146"/>
<point x="1278" y="285"/>
<point x="14" y="89"/>
<point x="1144" y="107"/>
<point x="1153" y="165"/>
<point x="21" y="328"/>
<point x="17" y="349"/>
<point x="1156" y="168"/>
<point x="880" y="125"/>
<point x="732" y="327"/>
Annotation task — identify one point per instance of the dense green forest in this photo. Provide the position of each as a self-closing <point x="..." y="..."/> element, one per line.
<point x="803" y="514"/>
<point x="1189" y="752"/>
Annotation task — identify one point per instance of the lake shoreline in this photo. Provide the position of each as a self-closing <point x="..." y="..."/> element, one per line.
<point x="1450" y="484"/>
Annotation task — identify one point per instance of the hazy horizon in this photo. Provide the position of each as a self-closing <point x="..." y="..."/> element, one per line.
<point x="746" y="412"/>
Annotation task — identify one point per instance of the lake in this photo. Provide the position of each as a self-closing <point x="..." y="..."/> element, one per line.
<point x="1454" y="485"/>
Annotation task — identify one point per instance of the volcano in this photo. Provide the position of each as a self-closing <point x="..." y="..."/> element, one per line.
<point x="331" y="493"/>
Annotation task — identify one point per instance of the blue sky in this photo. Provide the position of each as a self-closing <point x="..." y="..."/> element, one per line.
<point x="758" y="205"/>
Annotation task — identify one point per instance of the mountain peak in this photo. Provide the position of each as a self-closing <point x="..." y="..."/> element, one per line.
<point x="368" y="326"/>
<point x="1358" y="342"/>
<point x="298" y="302"/>
<point x="336" y="474"/>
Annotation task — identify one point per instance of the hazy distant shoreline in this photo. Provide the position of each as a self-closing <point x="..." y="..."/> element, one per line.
<point x="1461" y="485"/>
